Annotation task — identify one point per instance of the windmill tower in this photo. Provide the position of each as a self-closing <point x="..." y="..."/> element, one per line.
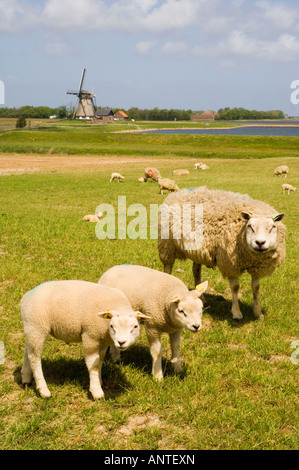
<point x="86" y="106"/>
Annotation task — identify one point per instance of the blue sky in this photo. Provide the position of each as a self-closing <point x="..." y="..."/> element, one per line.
<point x="186" y="54"/>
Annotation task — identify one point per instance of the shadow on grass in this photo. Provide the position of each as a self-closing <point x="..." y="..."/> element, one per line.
<point x="139" y="357"/>
<point x="220" y="309"/>
<point x="63" y="371"/>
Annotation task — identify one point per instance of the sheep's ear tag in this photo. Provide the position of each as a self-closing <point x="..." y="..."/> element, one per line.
<point x="107" y="315"/>
<point x="174" y="299"/>
<point x="200" y="287"/>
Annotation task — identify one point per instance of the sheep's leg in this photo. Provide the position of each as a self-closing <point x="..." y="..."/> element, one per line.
<point x="35" y="347"/>
<point x="94" y="357"/>
<point x="255" y="286"/>
<point x="196" y="273"/>
<point x="156" y="350"/>
<point x="168" y="267"/>
<point x="26" y="371"/>
<point x="175" y="339"/>
<point x="197" y="278"/>
<point x="234" y="286"/>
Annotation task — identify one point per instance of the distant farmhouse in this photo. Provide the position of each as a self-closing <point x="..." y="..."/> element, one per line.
<point x="102" y="116"/>
<point x="205" y="116"/>
<point x="120" y="116"/>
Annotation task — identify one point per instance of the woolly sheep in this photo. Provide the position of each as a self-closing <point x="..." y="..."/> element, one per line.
<point x="142" y="180"/>
<point x="116" y="176"/>
<point x="166" y="300"/>
<point x="288" y="188"/>
<point x="200" y="166"/>
<point x="238" y="234"/>
<point x="152" y="173"/>
<point x="92" y="217"/>
<point x="281" y="170"/>
<point x="180" y="172"/>
<point x="168" y="184"/>
<point x="76" y="311"/>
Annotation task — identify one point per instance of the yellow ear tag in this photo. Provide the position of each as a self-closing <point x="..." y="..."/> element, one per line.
<point x="199" y="287"/>
<point x="174" y="298"/>
<point x="107" y="315"/>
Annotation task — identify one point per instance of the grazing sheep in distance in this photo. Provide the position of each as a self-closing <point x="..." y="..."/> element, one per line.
<point x="142" y="180"/>
<point x="166" y="300"/>
<point x="180" y="172"/>
<point x="152" y="173"/>
<point x="92" y="217"/>
<point x="201" y="166"/>
<point x="238" y="234"/>
<point x="168" y="184"/>
<point x="76" y="311"/>
<point x="116" y="176"/>
<point x="280" y="170"/>
<point x="288" y="188"/>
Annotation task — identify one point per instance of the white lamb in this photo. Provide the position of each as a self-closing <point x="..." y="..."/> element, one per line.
<point x="166" y="300"/>
<point x="76" y="311"/>
<point x="92" y="217"/>
<point x="116" y="176"/>
<point x="281" y="170"/>
<point x="180" y="172"/>
<point x="200" y="166"/>
<point x="238" y="234"/>
<point x="167" y="184"/>
<point x="288" y="188"/>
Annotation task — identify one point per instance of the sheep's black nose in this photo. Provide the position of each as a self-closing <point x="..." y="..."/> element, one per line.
<point x="196" y="327"/>
<point x="121" y="343"/>
<point x="260" y="243"/>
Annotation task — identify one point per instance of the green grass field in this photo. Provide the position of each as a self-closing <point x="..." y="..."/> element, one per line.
<point x="239" y="387"/>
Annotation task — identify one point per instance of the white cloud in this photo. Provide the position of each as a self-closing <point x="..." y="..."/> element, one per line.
<point x="144" y="47"/>
<point x="280" y="15"/>
<point x="174" y="47"/>
<point x="16" y="15"/>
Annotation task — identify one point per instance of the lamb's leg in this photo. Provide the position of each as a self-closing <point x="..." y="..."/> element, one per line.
<point x="255" y="285"/>
<point x="26" y="371"/>
<point x="175" y="339"/>
<point x="234" y="286"/>
<point x="35" y="346"/>
<point x="156" y="350"/>
<point x="94" y="357"/>
<point x="115" y="353"/>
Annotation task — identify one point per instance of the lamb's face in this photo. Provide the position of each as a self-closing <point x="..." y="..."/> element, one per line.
<point x="261" y="232"/>
<point x="124" y="330"/>
<point x="186" y="311"/>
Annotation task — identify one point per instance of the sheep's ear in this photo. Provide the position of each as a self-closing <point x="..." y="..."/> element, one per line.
<point x="175" y="299"/>
<point x="277" y="217"/>
<point x="108" y="314"/>
<point x="202" y="287"/>
<point x="142" y="316"/>
<point x="246" y="215"/>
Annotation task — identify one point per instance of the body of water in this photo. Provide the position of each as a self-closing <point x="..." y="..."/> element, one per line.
<point x="281" y="129"/>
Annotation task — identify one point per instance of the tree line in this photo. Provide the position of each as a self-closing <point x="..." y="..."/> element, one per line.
<point x="155" y="114"/>
<point x="235" y="114"/>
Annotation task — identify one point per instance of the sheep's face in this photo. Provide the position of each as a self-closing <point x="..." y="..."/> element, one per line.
<point x="261" y="232"/>
<point x="186" y="311"/>
<point x="124" y="329"/>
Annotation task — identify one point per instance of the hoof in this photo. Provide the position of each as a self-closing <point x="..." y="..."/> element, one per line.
<point x="238" y="320"/>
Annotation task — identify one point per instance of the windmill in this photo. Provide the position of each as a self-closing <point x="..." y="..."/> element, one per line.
<point x="86" y="106"/>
